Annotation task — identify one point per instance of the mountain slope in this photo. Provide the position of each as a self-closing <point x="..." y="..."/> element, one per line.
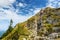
<point x="39" y="25"/>
<point x="7" y="32"/>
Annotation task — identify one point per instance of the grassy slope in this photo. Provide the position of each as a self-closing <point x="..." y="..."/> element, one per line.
<point x="22" y="28"/>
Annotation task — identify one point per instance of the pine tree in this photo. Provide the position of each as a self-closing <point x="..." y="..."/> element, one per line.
<point x="9" y="29"/>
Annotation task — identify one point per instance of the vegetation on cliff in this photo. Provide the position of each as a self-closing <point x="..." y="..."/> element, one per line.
<point x="42" y="24"/>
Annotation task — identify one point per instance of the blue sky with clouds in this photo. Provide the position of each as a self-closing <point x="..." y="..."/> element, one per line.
<point x="21" y="10"/>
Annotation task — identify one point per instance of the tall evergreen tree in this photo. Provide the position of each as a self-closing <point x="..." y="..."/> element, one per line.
<point x="9" y="29"/>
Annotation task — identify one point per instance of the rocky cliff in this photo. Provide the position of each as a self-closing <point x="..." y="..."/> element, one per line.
<point x="41" y="24"/>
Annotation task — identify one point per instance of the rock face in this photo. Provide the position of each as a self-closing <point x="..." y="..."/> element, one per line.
<point x="38" y="26"/>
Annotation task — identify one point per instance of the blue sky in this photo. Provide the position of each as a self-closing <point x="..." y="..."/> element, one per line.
<point x="21" y="10"/>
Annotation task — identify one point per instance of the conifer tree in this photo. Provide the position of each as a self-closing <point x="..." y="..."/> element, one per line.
<point x="8" y="30"/>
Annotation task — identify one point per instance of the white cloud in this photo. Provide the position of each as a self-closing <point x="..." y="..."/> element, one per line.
<point x="21" y="4"/>
<point x="51" y="0"/>
<point x="53" y="3"/>
<point x="8" y="14"/>
<point x="31" y="9"/>
<point x="4" y="3"/>
<point x="59" y="4"/>
<point x="50" y="5"/>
